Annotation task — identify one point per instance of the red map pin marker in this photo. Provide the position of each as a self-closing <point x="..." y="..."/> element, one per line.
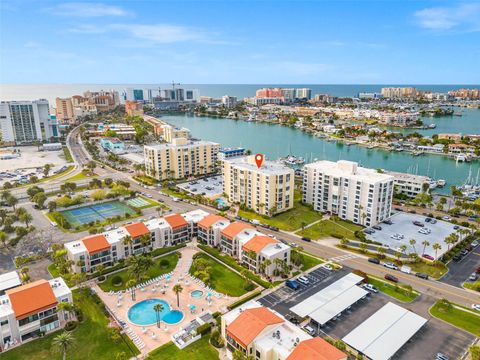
<point x="259" y="160"/>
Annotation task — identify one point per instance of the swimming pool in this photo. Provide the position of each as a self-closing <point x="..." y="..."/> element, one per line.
<point x="142" y="313"/>
<point x="196" y="294"/>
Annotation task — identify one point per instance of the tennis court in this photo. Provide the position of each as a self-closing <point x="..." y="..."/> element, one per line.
<point x="94" y="212"/>
<point x="138" y="202"/>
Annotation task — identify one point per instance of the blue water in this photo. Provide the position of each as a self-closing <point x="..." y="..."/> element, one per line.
<point x="196" y="294"/>
<point x="142" y="313"/>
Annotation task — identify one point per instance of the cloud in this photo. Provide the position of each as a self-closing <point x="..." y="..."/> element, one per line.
<point x="162" y="33"/>
<point x="87" y="29"/>
<point x="78" y="9"/>
<point x="463" y="17"/>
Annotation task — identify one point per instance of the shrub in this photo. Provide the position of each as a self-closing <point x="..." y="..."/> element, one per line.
<point x="71" y="325"/>
<point x="101" y="278"/>
<point x="204" y="329"/>
<point x="249" y="286"/>
<point x="244" y="300"/>
<point x="335" y="235"/>
<point x="164" y="263"/>
<point x="117" y="280"/>
<point x="216" y="339"/>
<point x="361" y="273"/>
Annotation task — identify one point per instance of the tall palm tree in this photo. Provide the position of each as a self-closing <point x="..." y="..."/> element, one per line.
<point x="425" y="243"/>
<point x="145" y="240"/>
<point x="63" y="342"/>
<point x="413" y="242"/>
<point x="177" y="289"/>
<point x="128" y="241"/>
<point x="436" y="247"/>
<point x="158" y="308"/>
<point x="131" y="284"/>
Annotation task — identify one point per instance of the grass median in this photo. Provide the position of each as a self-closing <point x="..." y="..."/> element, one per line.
<point x="326" y="228"/>
<point x="457" y="316"/>
<point x="401" y="292"/>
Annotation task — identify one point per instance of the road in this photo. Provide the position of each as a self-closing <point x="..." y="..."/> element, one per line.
<point x="433" y="288"/>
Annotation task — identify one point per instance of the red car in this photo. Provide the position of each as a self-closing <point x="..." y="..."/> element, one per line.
<point x="391" y="278"/>
<point x="429" y="257"/>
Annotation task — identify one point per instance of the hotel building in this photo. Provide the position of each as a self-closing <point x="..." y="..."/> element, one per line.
<point x="180" y="159"/>
<point x="354" y="193"/>
<point x="108" y="248"/>
<point x="30" y="310"/>
<point x="264" y="334"/>
<point x="267" y="190"/>
<point x="399" y="93"/>
<point x="64" y="110"/>
<point x="24" y="122"/>
<point x="171" y="132"/>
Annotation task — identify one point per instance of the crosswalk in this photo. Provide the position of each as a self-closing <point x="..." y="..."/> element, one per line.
<point x="344" y="257"/>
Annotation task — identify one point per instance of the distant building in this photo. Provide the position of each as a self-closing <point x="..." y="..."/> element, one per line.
<point x="399" y="93"/>
<point x="357" y="194"/>
<point x="180" y="159"/>
<point x="24" y="122"/>
<point x="64" y="110"/>
<point x="288" y="95"/>
<point x="269" y="93"/>
<point x="408" y="184"/>
<point x="466" y="94"/>
<point x="112" y="144"/>
<point x="103" y="100"/>
<point x="303" y="93"/>
<point x="30" y="310"/>
<point x="267" y="190"/>
<point x="227" y="153"/>
<point x="134" y="108"/>
<point x="156" y="123"/>
<point x="461" y="149"/>
<point x="229" y="101"/>
<point x="369" y="96"/>
<point x="171" y="132"/>
<point x="454" y="137"/>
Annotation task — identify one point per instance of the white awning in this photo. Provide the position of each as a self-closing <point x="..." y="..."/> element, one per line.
<point x="335" y="306"/>
<point x="316" y="301"/>
<point x="385" y="332"/>
<point x="9" y="280"/>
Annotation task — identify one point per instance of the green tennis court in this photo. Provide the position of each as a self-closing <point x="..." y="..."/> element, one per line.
<point x="92" y="213"/>
<point x="138" y="202"/>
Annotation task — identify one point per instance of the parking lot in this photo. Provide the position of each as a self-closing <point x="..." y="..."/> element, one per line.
<point x="403" y="225"/>
<point x="210" y="187"/>
<point x="435" y="336"/>
<point x="459" y="271"/>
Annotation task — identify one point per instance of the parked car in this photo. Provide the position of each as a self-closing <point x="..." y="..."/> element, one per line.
<point x="391" y="278"/>
<point x="429" y="257"/>
<point x="377" y="227"/>
<point x="457" y="258"/>
<point x="390" y="266"/>
<point x="293" y="245"/>
<point x="476" y="307"/>
<point x="474" y="243"/>
<point x="441" y="356"/>
<point x="418" y="223"/>
<point x="421" y="275"/>
<point x="434" y="221"/>
<point x="303" y="280"/>
<point x="446" y="218"/>
<point x="473" y="277"/>
<point x="374" y="260"/>
<point x="370" y="288"/>
<point x="464" y="252"/>
<point x="273" y="228"/>
<point x="292" y="319"/>
<point x="388" y="222"/>
<point x="292" y="284"/>
<point x="369" y="231"/>
<point x="307" y="239"/>
<point x="309" y="330"/>
<point x="328" y="267"/>
<point x="428" y="219"/>
<point x="456" y="227"/>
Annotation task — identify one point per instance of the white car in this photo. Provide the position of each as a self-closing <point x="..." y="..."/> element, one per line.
<point x="474" y="243"/>
<point x="303" y="280"/>
<point x="446" y="218"/>
<point x="370" y="288"/>
<point x="309" y="330"/>
<point x="476" y="307"/>
<point x="328" y="267"/>
<point x="390" y="266"/>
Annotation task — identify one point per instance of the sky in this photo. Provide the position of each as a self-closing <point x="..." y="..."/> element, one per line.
<point x="240" y="42"/>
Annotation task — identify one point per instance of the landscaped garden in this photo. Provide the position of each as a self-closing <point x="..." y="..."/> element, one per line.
<point x="456" y="315"/>
<point x="331" y="227"/>
<point x="199" y="350"/>
<point x="219" y="277"/>
<point x="290" y="220"/>
<point x="401" y="292"/>
<point x="92" y="338"/>
<point x="118" y="281"/>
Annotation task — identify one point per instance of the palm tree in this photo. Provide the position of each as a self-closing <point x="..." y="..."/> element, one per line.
<point x="3" y="238"/>
<point x="66" y="307"/>
<point x="128" y="241"/>
<point x="131" y="284"/>
<point x="26" y="218"/>
<point x="145" y="240"/>
<point x="436" y="247"/>
<point x="425" y="243"/>
<point x="381" y="251"/>
<point x="413" y="242"/>
<point x="158" y="308"/>
<point x="403" y="248"/>
<point x="177" y="289"/>
<point x="63" y="342"/>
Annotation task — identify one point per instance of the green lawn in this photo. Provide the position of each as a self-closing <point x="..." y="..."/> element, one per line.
<point x="154" y="271"/>
<point x="176" y="194"/>
<point x="199" y="350"/>
<point x="310" y="261"/>
<point x="434" y="271"/>
<point x="80" y="176"/>
<point x="327" y="228"/>
<point x="91" y="338"/>
<point x="472" y="285"/>
<point x="67" y="155"/>
<point x="457" y="317"/>
<point x="394" y="290"/>
<point x="289" y="220"/>
<point x="223" y="279"/>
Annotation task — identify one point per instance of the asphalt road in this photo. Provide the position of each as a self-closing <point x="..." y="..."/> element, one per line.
<point x="459" y="271"/>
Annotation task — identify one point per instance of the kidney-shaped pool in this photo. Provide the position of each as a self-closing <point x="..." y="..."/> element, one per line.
<point x="143" y="313"/>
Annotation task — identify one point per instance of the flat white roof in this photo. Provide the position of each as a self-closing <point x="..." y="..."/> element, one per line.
<point x="316" y="301"/>
<point x="157" y="223"/>
<point x="349" y="169"/>
<point x="268" y="167"/>
<point x="385" y="332"/>
<point x="195" y="215"/>
<point x="338" y="304"/>
<point x="76" y="247"/>
<point x="59" y="287"/>
<point x="272" y="249"/>
<point x="9" y="280"/>
<point x="116" y="235"/>
<point x="283" y="343"/>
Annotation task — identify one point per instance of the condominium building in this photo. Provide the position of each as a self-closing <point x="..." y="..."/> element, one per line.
<point x="108" y="248"/>
<point x="408" y="184"/>
<point x="171" y="132"/>
<point x="228" y="153"/>
<point x="64" y="110"/>
<point x="210" y="228"/>
<point x="103" y="100"/>
<point x="134" y="108"/>
<point x="465" y="93"/>
<point x="30" y="310"/>
<point x="180" y="159"/>
<point x="24" y="122"/>
<point x="303" y="93"/>
<point x="399" y="92"/>
<point x="264" y="334"/>
<point x="229" y="101"/>
<point x="361" y="195"/>
<point x="267" y="189"/>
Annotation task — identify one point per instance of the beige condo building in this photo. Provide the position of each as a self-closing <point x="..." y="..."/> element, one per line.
<point x="170" y="132"/>
<point x="180" y="159"/>
<point x="64" y="110"/>
<point x="267" y="190"/>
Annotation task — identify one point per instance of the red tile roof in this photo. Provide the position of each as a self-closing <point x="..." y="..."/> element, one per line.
<point x="137" y="229"/>
<point x="32" y="298"/>
<point x="316" y="349"/>
<point x="257" y="243"/>
<point x="209" y="220"/>
<point x="235" y="228"/>
<point x="250" y="323"/>
<point x="176" y="221"/>
<point x="96" y="243"/>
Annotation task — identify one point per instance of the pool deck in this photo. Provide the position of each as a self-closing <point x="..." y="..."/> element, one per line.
<point x="145" y="333"/>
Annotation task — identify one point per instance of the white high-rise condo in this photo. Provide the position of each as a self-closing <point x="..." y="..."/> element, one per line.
<point x="361" y="195"/>
<point x="24" y="122"/>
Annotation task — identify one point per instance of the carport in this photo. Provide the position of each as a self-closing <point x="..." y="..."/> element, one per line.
<point x="331" y="301"/>
<point x="385" y="332"/>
